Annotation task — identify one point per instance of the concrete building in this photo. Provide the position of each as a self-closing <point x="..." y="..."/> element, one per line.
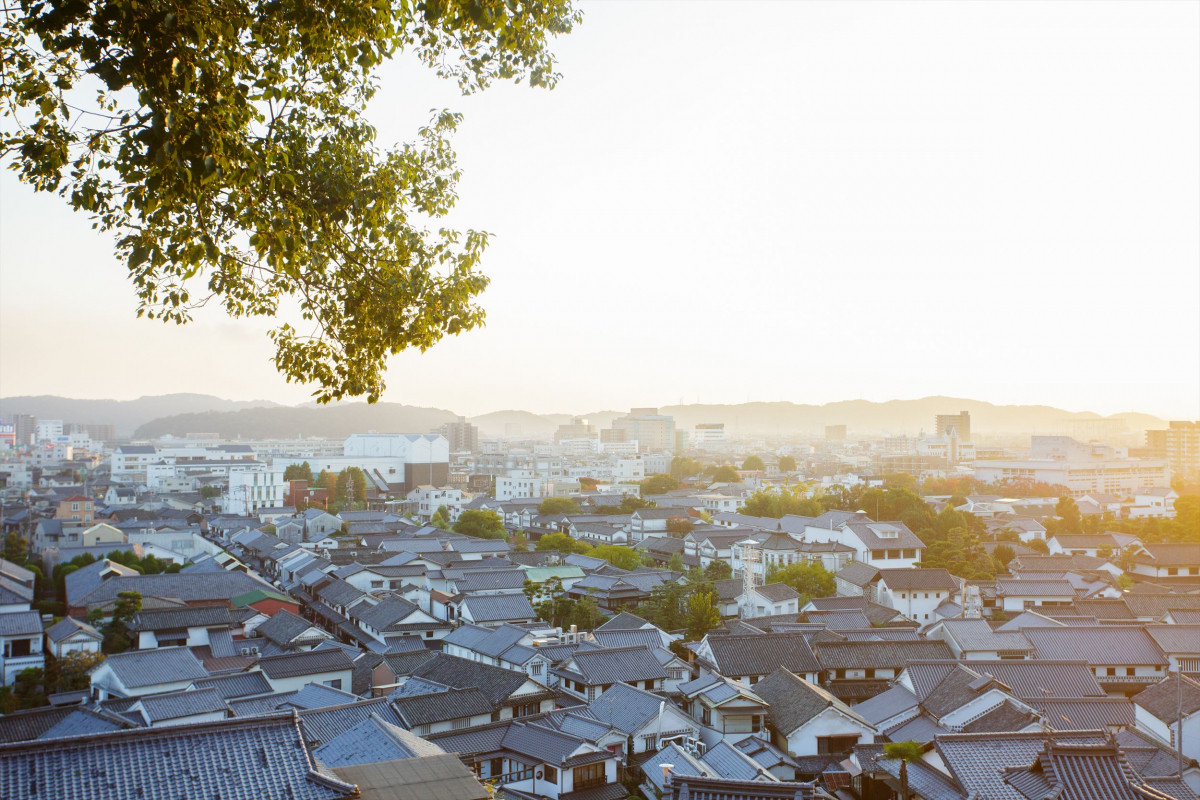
<point x="654" y="432"/>
<point x="953" y="425"/>
<point x="1179" y="444"/>
<point x="1082" y="468"/>
<point x="394" y="463"/>
<point x="462" y="436"/>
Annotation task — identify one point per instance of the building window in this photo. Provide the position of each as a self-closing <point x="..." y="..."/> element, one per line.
<point x="589" y="776"/>
<point x="459" y="723"/>
<point x="835" y="745"/>
<point x="550" y="774"/>
<point x="334" y="684"/>
<point x="536" y="668"/>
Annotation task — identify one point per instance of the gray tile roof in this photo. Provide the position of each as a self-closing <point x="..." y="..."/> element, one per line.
<point x="490" y="580"/>
<point x="260" y="758"/>
<point x="762" y="654"/>
<point x="424" y="709"/>
<point x="83" y="722"/>
<point x="1177" y="639"/>
<point x="283" y="627"/>
<point x="726" y="761"/>
<point x="1098" y="645"/>
<point x="1164" y="699"/>
<point x="141" y="668"/>
<point x="1028" y="679"/>
<point x="883" y="707"/>
<point x="618" y="665"/>
<point x="626" y="708"/>
<point x="189" y="588"/>
<point x="325" y="724"/>
<point x="976" y="760"/>
<point x="623" y="621"/>
<point x="311" y="662"/>
<point x="497" y="683"/>
<point x="500" y="607"/>
<point x="840" y="619"/>
<point x="1086" y="713"/>
<point x="647" y="638"/>
<point x="778" y="592"/>
<point x="373" y="740"/>
<point x="258" y="706"/>
<point x="317" y="695"/>
<point x="20" y="623"/>
<point x="384" y="615"/>
<point x="241" y="684"/>
<point x="1013" y="587"/>
<point x="909" y="579"/>
<point x="974" y="635"/>
<point x="886" y="535"/>
<point x="794" y="701"/>
<point x="177" y="618"/>
<point x="23" y="726"/>
<point x="175" y="705"/>
<point x="884" y="654"/>
<point x="440" y="777"/>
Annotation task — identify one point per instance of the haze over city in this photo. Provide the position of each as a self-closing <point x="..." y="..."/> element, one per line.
<point x="808" y="202"/>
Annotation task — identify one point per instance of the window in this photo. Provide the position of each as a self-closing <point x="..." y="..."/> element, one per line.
<point x="834" y="745"/>
<point x="549" y="773"/>
<point x="334" y="684"/>
<point x="535" y="668"/>
<point x="589" y="775"/>
<point x="1110" y="671"/>
<point x="459" y="723"/>
<point x="706" y="716"/>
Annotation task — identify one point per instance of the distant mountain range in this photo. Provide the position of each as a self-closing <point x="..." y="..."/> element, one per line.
<point x="180" y="414"/>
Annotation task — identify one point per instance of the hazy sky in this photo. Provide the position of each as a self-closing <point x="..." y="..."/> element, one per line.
<point x="798" y="201"/>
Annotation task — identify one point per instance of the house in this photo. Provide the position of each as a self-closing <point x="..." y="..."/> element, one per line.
<point x="494" y="610"/>
<point x="618" y="590"/>
<point x="1014" y="595"/>
<point x="749" y="658"/>
<point x="1161" y="709"/>
<point x="860" y="670"/>
<point x="1083" y="544"/>
<point x="289" y="632"/>
<point x="770" y="600"/>
<point x="396" y="617"/>
<point x="915" y="593"/>
<point x="807" y="719"/>
<point x="70" y="635"/>
<point x="1125" y="659"/>
<point x="505" y="646"/>
<point x="974" y="639"/>
<point x="76" y="509"/>
<point x="17" y="586"/>
<point x="647" y="720"/>
<point x="624" y="621"/>
<point x="589" y="673"/>
<point x="192" y="589"/>
<point x="225" y="758"/>
<point x="510" y="694"/>
<point x="179" y="708"/>
<point x="1083" y="770"/>
<point x="182" y="627"/>
<point x="292" y="671"/>
<point x="1175" y="560"/>
<point x="21" y="644"/>
<point x="427" y="708"/>
<point x="726" y="709"/>
<point x="144" y="672"/>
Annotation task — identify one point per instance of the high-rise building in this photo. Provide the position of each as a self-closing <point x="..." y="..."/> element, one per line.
<point x="1179" y="444"/>
<point x="462" y="436"/>
<point x="26" y="427"/>
<point x="954" y="425"/>
<point x="48" y="430"/>
<point x="654" y="432"/>
<point x="577" y="428"/>
<point x="709" y="433"/>
<point x="835" y="433"/>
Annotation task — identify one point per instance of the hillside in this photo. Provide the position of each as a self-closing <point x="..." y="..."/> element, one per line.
<point x="124" y="415"/>
<point x="282" y="422"/>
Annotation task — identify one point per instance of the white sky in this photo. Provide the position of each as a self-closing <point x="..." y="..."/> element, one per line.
<point x="798" y="201"/>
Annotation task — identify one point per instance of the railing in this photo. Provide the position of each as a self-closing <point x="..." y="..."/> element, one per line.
<point x="512" y="777"/>
<point x="591" y="783"/>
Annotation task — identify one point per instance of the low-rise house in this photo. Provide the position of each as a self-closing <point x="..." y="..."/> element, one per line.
<point x="242" y="758"/>
<point x="145" y="672"/>
<point x="617" y="590"/>
<point x="860" y="670"/>
<point x="589" y="673"/>
<point x="1174" y="560"/>
<point x="396" y="617"/>
<point x="427" y="708"/>
<point x="506" y="646"/>
<point x="1160" y="709"/>
<point x="510" y="694"/>
<point x="70" y="635"/>
<point x="1180" y="643"/>
<point x="976" y="639"/>
<point x="288" y="632"/>
<point x="192" y="589"/>
<point x="292" y="671"/>
<point x="749" y="658"/>
<point x="807" y="719"/>
<point x="495" y="610"/>
<point x="915" y="593"/>
<point x="1125" y="659"/>
<point x="181" y="627"/>
<point x="647" y="720"/>
<point x="1014" y="595"/>
<point x="179" y="708"/>
<point x="21" y="644"/>
<point x="726" y="709"/>
<point x="769" y="600"/>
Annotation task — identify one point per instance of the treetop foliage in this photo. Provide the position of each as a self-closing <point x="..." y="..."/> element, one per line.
<point x="224" y="145"/>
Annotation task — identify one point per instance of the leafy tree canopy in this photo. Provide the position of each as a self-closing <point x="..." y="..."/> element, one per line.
<point x="659" y="484"/>
<point x="810" y="579"/>
<point x="726" y="474"/>
<point x="224" y="146"/>
<point x="775" y="503"/>
<point x="558" y="505"/>
<point x="753" y="463"/>
<point x="618" y="555"/>
<point x="480" y="524"/>
<point x="562" y="543"/>
<point x="787" y="463"/>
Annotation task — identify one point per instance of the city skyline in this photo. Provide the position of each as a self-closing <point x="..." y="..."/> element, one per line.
<point x="710" y="204"/>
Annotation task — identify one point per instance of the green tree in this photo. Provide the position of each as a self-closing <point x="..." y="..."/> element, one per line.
<point x="1003" y="554"/>
<point x="753" y="463"/>
<point x="618" y="555"/>
<point x="680" y="526"/>
<point x="787" y="463"/>
<point x="779" y="501"/>
<point x="683" y="467"/>
<point x="117" y="637"/>
<point x="15" y="548"/>
<point x="1067" y="511"/>
<point x="809" y="578"/>
<point x="209" y="492"/>
<point x="701" y="615"/>
<point x="562" y="543"/>
<point x="298" y="472"/>
<point x="343" y="491"/>
<point x="726" y="474"/>
<point x="520" y="542"/>
<point x="225" y="147"/>
<point x="72" y="670"/>
<point x="717" y="571"/>
<point x="558" y="505"/>
<point x="675" y="562"/>
<point x="441" y="518"/>
<point x="659" y="484"/>
<point x="358" y="486"/>
<point x="906" y="752"/>
<point x="480" y="524"/>
<point x="28" y="688"/>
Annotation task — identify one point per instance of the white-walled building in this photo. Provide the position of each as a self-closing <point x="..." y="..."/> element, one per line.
<point x="250" y="491"/>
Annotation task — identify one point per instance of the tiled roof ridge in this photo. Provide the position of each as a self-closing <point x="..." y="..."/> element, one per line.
<point x="144" y="734"/>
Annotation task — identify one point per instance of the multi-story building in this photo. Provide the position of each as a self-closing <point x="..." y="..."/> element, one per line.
<point x="1081" y="468"/>
<point x="250" y="491"/>
<point x="26" y="428"/>
<point x="393" y="462"/>
<point x="462" y="436"/>
<point x="654" y="432"/>
<point x="953" y="425"/>
<point x="48" y="430"/>
<point x="1179" y="444"/>
<point x="577" y="428"/>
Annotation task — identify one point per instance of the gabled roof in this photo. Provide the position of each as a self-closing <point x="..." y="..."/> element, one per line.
<point x="1097" y="644"/>
<point x="140" y="668"/>
<point x="857" y="573"/>
<point x="211" y="759"/>
<point x="424" y="709"/>
<point x="499" y="607"/>
<point x="883" y="654"/>
<point x="176" y="705"/>
<point x="1078" y="772"/>
<point x="618" y="665"/>
<point x="627" y="709"/>
<point x="180" y="586"/>
<point x="761" y="654"/>
<point x="497" y="684"/>
<point x="623" y="621"/>
<point x="794" y="701"/>
<point x="166" y="619"/>
<point x="1165" y="699"/>
<point x="283" y="627"/>
<point x="69" y="626"/>
<point x="20" y="623"/>
<point x="371" y="741"/>
<point x="383" y="615"/>
<point x="974" y="635"/>
<point x="324" y="724"/>
<point x="910" y="579"/>
<point x="311" y="662"/>
<point x="1028" y="679"/>
<point x="885" y="535"/>
<point x="976" y="760"/>
<point x="239" y="684"/>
